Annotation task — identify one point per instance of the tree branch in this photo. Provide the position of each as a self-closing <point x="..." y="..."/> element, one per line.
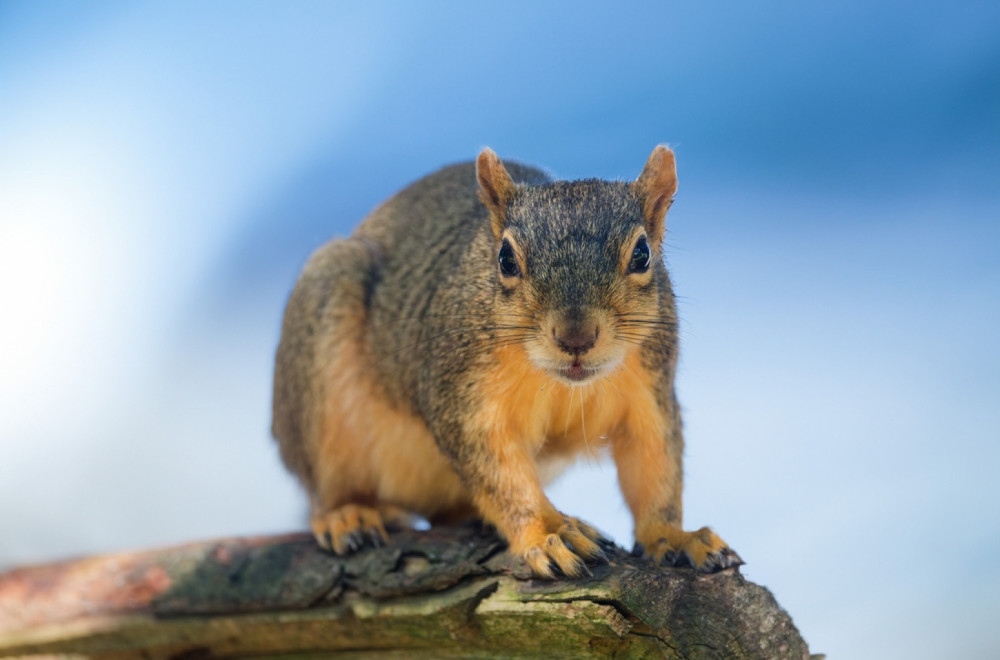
<point x="443" y="593"/>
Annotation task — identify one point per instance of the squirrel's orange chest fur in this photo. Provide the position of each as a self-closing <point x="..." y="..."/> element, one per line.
<point x="558" y="422"/>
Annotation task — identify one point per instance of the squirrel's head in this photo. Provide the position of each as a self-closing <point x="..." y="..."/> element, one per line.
<point x="578" y="264"/>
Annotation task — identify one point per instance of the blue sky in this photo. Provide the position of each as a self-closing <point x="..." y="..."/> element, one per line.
<point x="166" y="168"/>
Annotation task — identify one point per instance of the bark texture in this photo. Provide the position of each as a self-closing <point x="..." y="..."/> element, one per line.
<point x="443" y="593"/>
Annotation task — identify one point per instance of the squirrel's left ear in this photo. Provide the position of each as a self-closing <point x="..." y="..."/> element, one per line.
<point x="496" y="188"/>
<point x="656" y="187"/>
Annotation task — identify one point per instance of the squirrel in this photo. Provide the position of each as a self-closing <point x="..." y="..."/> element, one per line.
<point x="480" y="330"/>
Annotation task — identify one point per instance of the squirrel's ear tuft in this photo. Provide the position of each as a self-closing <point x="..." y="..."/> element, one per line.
<point x="496" y="188"/>
<point x="656" y="187"/>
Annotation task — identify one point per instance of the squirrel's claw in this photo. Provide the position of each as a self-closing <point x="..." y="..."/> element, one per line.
<point x="721" y="560"/>
<point x="552" y="558"/>
<point x="701" y="550"/>
<point x="375" y="539"/>
<point x="349" y="528"/>
<point x="607" y="545"/>
<point x="563" y="550"/>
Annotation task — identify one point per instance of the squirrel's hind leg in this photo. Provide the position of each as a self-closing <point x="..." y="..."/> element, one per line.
<point x="351" y="527"/>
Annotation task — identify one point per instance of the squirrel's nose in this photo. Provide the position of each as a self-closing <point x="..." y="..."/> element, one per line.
<point x="576" y="340"/>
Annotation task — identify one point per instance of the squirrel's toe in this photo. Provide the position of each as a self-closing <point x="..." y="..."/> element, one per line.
<point x="349" y="528"/>
<point x="701" y="550"/>
<point x="721" y="560"/>
<point x="561" y="545"/>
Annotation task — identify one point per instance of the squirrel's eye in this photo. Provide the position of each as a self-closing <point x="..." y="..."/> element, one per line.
<point x="508" y="264"/>
<point x="640" y="257"/>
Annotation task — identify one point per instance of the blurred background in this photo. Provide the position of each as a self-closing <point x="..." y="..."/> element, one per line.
<point x="166" y="169"/>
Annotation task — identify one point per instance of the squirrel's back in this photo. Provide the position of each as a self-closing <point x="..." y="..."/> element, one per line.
<point x="435" y="211"/>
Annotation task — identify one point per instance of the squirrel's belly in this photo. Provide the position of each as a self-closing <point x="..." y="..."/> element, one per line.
<point x="379" y="454"/>
<point x="412" y="472"/>
<point x="370" y="451"/>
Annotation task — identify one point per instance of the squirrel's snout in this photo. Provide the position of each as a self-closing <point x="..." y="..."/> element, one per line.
<point x="576" y="340"/>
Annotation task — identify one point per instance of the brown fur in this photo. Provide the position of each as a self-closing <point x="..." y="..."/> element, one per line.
<point x="414" y="376"/>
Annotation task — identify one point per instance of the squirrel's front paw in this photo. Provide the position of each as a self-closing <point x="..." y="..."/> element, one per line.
<point x="559" y="545"/>
<point x="702" y="549"/>
<point x="348" y="528"/>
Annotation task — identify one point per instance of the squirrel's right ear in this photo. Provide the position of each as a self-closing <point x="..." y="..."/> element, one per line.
<point x="496" y="188"/>
<point x="656" y="187"/>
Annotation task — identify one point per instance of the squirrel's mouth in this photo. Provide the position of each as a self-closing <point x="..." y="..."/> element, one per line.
<point x="576" y="371"/>
<point x="579" y="369"/>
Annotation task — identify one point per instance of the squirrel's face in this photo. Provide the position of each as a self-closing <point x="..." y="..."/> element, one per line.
<point x="577" y="273"/>
<point x="580" y="280"/>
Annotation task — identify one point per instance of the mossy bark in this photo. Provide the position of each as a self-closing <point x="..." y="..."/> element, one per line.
<point x="444" y="593"/>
